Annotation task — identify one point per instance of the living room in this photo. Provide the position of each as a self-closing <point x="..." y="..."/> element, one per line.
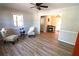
<point x="25" y="20"/>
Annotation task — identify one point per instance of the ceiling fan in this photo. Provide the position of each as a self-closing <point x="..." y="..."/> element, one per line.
<point x="38" y="6"/>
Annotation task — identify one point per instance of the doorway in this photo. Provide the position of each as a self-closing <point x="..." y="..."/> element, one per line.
<point x="50" y="23"/>
<point x="42" y="24"/>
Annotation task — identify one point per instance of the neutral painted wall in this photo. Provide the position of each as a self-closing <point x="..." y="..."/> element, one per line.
<point x="68" y="36"/>
<point x="69" y="25"/>
<point x="6" y="18"/>
<point x="37" y="22"/>
<point x="0" y="21"/>
<point x="70" y="19"/>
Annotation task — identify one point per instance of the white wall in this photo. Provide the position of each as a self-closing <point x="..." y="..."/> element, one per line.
<point x="37" y="22"/>
<point x="70" y="19"/>
<point x="69" y="25"/>
<point x="6" y="18"/>
<point x="68" y="36"/>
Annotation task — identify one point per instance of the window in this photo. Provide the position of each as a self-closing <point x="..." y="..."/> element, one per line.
<point x="18" y="20"/>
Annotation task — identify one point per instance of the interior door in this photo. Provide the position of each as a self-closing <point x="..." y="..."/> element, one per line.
<point x="42" y="24"/>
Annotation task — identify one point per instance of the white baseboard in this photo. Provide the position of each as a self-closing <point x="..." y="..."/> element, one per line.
<point x="66" y="42"/>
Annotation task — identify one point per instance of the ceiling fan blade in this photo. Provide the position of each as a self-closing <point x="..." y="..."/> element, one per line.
<point x="44" y="6"/>
<point x="32" y="7"/>
<point x="39" y="8"/>
<point x="39" y="4"/>
<point x="33" y="3"/>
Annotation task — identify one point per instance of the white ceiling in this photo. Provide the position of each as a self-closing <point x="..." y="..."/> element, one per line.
<point x="26" y="6"/>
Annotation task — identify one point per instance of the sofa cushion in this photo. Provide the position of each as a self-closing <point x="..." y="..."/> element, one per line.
<point x="11" y="38"/>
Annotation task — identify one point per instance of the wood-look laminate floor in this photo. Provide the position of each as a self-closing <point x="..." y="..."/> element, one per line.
<point x="45" y="44"/>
